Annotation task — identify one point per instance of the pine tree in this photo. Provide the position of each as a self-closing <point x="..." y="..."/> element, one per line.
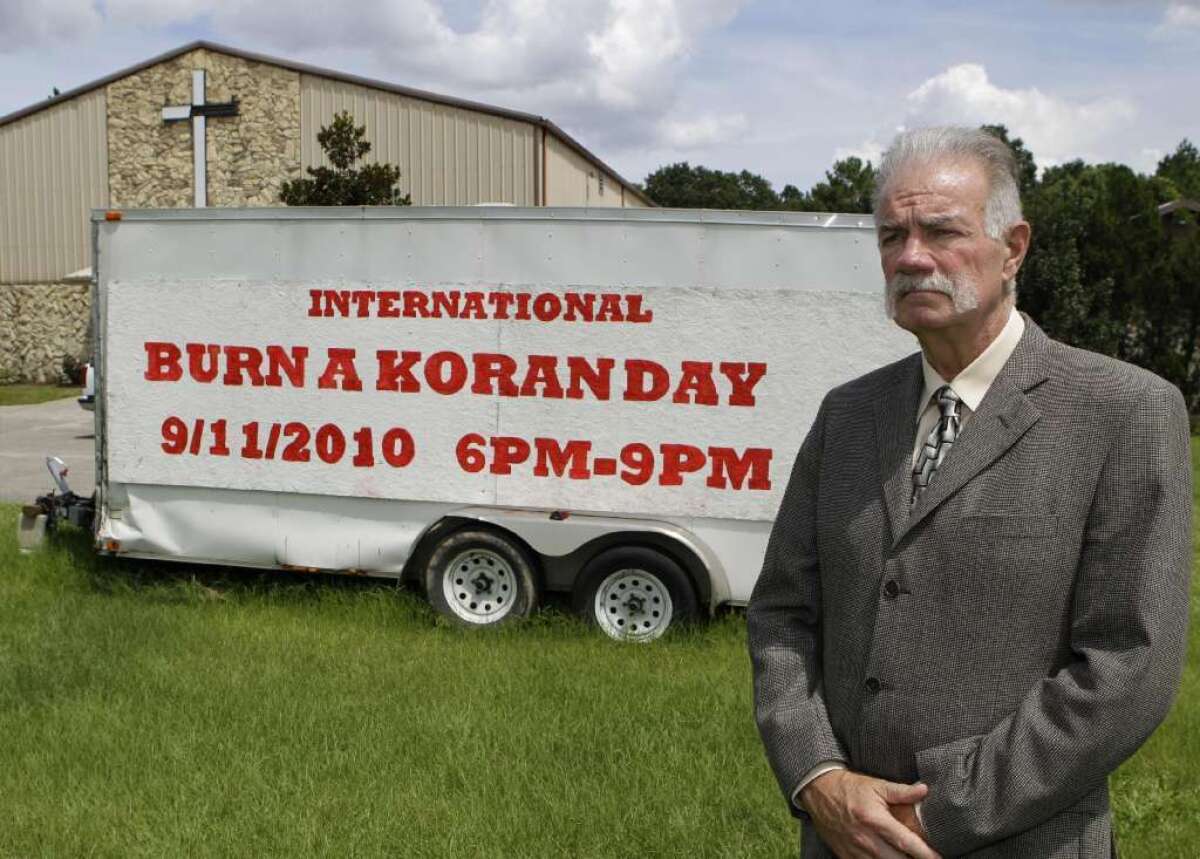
<point x="344" y="184"/>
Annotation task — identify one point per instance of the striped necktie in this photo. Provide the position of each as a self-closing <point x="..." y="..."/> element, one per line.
<point x="938" y="442"/>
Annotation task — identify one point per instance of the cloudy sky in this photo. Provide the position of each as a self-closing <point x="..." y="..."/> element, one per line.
<point x="778" y="87"/>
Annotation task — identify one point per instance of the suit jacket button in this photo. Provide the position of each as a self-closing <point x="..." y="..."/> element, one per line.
<point x="872" y="685"/>
<point x="891" y="589"/>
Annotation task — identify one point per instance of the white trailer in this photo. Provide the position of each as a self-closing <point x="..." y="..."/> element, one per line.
<point x="490" y="402"/>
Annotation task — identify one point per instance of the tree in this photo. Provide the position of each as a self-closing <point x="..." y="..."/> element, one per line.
<point x="684" y="186"/>
<point x="343" y="184"/>
<point x="1027" y="173"/>
<point x="1178" y="176"/>
<point x="1182" y="169"/>
<point x="792" y="198"/>
<point x="848" y="187"/>
<point x="1103" y="274"/>
<point x="1055" y="287"/>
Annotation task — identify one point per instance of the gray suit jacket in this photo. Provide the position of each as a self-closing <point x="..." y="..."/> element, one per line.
<point x="1012" y="638"/>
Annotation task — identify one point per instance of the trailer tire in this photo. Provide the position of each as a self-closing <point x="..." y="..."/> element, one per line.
<point x="480" y="578"/>
<point x="635" y="594"/>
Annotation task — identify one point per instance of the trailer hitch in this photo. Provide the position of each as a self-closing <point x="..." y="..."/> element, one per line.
<point x="47" y="511"/>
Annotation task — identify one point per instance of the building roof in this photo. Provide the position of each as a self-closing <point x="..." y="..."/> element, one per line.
<point x="303" y="68"/>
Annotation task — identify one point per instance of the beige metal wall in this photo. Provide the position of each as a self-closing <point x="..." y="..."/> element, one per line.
<point x="53" y="171"/>
<point x="572" y="180"/>
<point x="447" y="156"/>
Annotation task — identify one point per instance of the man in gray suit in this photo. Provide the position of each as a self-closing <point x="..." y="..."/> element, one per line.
<point x="973" y="605"/>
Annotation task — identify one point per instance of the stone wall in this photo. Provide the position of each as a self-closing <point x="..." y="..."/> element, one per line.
<point x="39" y="323"/>
<point x="249" y="155"/>
<point x="150" y="166"/>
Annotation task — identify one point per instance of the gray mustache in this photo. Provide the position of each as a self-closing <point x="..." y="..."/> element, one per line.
<point x="902" y="284"/>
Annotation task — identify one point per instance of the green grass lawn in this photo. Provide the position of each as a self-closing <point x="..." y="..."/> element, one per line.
<point x="146" y="714"/>
<point x="147" y="711"/>
<point x="26" y="395"/>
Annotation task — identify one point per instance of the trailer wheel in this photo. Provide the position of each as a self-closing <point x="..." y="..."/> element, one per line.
<point x="635" y="594"/>
<point x="480" y="578"/>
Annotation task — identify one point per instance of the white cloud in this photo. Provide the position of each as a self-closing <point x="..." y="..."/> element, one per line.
<point x="149" y="14"/>
<point x="1183" y="14"/>
<point x="1053" y="128"/>
<point x="700" y="131"/>
<point x="372" y="25"/>
<point x="1146" y="161"/>
<point x="592" y="63"/>
<point x="26" y="24"/>
<point x="642" y="39"/>
<point x="1181" y="17"/>
<point x="868" y="150"/>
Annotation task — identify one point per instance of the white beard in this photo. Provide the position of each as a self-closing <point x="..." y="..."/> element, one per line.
<point x="961" y="288"/>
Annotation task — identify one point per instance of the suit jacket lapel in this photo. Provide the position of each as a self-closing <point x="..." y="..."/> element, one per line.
<point x="895" y="425"/>
<point x="1005" y="415"/>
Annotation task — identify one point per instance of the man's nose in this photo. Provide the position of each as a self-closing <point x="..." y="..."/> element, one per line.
<point x="914" y="257"/>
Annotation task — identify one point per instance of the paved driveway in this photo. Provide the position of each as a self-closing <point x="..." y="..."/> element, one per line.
<point x="28" y="434"/>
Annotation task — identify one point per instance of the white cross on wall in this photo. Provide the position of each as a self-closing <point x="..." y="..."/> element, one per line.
<point x="198" y="112"/>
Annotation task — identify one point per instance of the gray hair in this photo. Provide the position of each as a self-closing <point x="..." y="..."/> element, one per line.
<point x="1003" y="206"/>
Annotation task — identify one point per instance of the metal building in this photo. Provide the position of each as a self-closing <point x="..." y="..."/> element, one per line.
<point x="210" y="125"/>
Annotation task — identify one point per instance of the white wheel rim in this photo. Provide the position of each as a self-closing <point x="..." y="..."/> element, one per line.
<point x="479" y="586"/>
<point x="633" y="605"/>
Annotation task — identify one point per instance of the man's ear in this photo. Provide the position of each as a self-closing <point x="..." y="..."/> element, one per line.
<point x="1016" y="245"/>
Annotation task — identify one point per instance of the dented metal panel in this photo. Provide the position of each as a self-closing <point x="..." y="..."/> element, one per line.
<point x="263" y="529"/>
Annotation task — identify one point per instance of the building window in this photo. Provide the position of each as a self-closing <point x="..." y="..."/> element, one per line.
<point x="600" y="182"/>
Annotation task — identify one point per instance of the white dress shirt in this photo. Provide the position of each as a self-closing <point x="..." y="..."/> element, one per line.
<point x="971" y="385"/>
